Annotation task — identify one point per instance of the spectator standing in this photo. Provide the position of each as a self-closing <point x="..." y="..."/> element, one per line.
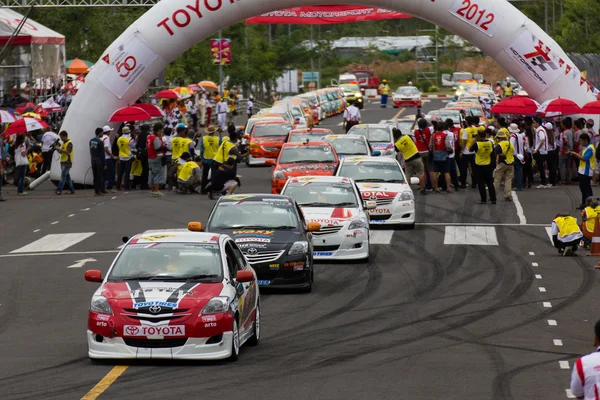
<point x="540" y="152"/>
<point x="109" y="171"/>
<point x="157" y="162"/>
<point x="127" y="150"/>
<point x="505" y="161"/>
<point x="454" y="133"/>
<point x="49" y="138"/>
<point x="552" y="154"/>
<point x="1" y="167"/>
<point x="351" y="116"/>
<point x="484" y="169"/>
<point x="516" y="140"/>
<point x="250" y="107"/>
<point x="66" y="162"/>
<point x="528" y="140"/>
<point x="413" y="165"/>
<point x="441" y="146"/>
<point x="21" y="162"/>
<point x="98" y="161"/>
<point x="587" y="163"/>
<point x="566" y="145"/>
<point x="202" y="110"/>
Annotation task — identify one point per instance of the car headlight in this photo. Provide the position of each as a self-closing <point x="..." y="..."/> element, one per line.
<point x="216" y="305"/>
<point x="359" y="100"/>
<point x="388" y="152"/>
<point x="358" y="224"/>
<point x="100" y="305"/>
<point x="298" y="248"/>
<point x="359" y="95"/>
<point x="405" y="196"/>
<point x="278" y="175"/>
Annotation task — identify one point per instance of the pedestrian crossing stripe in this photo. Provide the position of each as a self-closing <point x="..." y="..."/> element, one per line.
<point x="54" y="242"/>
<point x="471" y="235"/>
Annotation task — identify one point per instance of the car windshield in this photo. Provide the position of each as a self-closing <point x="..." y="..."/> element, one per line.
<point x="307" y="154"/>
<point x="297" y="112"/>
<point x="371" y="134"/>
<point x="349" y="146"/>
<point x="350" y="88"/>
<point x="322" y="194"/>
<point x="303" y="137"/>
<point x="268" y="213"/>
<point x="168" y="261"/>
<point x="453" y="115"/>
<point x="271" y="130"/>
<point x="407" y="91"/>
<point x="372" y="172"/>
<point x="476" y="112"/>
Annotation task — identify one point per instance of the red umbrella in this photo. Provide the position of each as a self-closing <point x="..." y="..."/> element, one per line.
<point x="516" y="105"/>
<point x="591" y="108"/>
<point x="151" y="109"/>
<point x="24" y="125"/>
<point x="166" y="94"/>
<point x="130" y="113"/>
<point x="22" y="108"/>
<point x="560" y="106"/>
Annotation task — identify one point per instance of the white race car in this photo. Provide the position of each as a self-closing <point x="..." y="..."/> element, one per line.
<point x="379" y="136"/>
<point x="335" y="203"/>
<point x="382" y="180"/>
<point x="351" y="145"/>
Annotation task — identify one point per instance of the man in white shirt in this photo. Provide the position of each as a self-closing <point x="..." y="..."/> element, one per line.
<point x="516" y="139"/>
<point x="351" y="116"/>
<point x="49" y="139"/>
<point x="193" y="111"/>
<point x="540" y="152"/>
<point x="222" y="114"/>
<point x="585" y="378"/>
<point x="109" y="171"/>
<point x="202" y="109"/>
<point x="250" y="107"/>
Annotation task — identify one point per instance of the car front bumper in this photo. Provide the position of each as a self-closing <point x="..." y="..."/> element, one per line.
<point x="407" y="103"/>
<point x="400" y="213"/>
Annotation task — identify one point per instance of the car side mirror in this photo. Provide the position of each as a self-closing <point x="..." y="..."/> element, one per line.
<point x="244" y="276"/>
<point x="370" y="204"/>
<point x="376" y="153"/>
<point x="314" y="227"/>
<point x="270" y="162"/>
<point x="93" y="275"/>
<point x="414" y="181"/>
<point x="125" y="239"/>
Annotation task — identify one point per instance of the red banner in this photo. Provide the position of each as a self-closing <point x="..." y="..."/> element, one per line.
<point x="326" y="15"/>
<point x="220" y="50"/>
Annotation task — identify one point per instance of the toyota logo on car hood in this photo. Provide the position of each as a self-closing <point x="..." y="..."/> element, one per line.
<point x="252" y="251"/>
<point x="155" y="309"/>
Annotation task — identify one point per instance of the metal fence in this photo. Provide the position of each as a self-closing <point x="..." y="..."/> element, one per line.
<point x="589" y="63"/>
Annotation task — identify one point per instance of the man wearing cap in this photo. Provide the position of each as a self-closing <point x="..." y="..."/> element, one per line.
<point x="127" y="150"/>
<point x="505" y="161"/>
<point x="587" y="163"/>
<point x="109" y="158"/>
<point x="189" y="175"/>
<point x="98" y="161"/>
<point x="566" y="234"/>
<point x="351" y="116"/>
<point x="222" y="114"/>
<point x="384" y="90"/>
<point x="180" y="144"/>
<point x="208" y="150"/>
<point x="517" y="142"/>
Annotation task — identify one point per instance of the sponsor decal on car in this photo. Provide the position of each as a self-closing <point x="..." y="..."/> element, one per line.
<point x="323" y="253"/>
<point x="274" y="267"/>
<point x="377" y="222"/>
<point x="294" y="264"/>
<point x="379" y="195"/>
<point x="383" y="211"/>
<point x="264" y="283"/>
<point x="238" y="197"/>
<point x="139" y="330"/>
<point x="209" y="318"/>
<point x="167" y="304"/>
<point x="341" y="213"/>
<point x="372" y="186"/>
<point x="155" y="238"/>
<point x="252" y="245"/>
<point x="252" y="235"/>
<point x="324" y="221"/>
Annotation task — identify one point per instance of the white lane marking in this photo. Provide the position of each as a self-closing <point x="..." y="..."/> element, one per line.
<point x="86" y="209"/>
<point x="538" y="277"/>
<point x="461" y="224"/>
<point x="552" y="322"/>
<point x="569" y="394"/>
<point x="71" y="215"/>
<point x="383" y="121"/>
<point x="112" y="198"/>
<point x="54" y="223"/>
<point x="549" y="232"/>
<point x="121" y="246"/>
<point x="340" y="124"/>
<point x="37" y="230"/>
<point x="81" y="263"/>
<point x="535" y="265"/>
<point x="520" y="212"/>
<point x="557" y="342"/>
<point x="54" y="242"/>
<point x="65" y="253"/>
<point x="381" y="237"/>
<point x="542" y="289"/>
<point x="564" y="365"/>
<point x="547" y="304"/>
<point x="471" y="235"/>
<point x="531" y="253"/>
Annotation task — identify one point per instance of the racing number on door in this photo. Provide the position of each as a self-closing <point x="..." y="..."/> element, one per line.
<point x="480" y="17"/>
<point x="124" y="68"/>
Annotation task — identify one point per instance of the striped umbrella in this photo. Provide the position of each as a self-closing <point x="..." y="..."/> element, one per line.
<point x="78" y="66"/>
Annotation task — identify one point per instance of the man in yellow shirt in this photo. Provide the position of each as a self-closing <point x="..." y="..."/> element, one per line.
<point x="384" y="90"/>
<point x="566" y="234"/>
<point x="413" y="164"/>
<point x="189" y="175"/>
<point x="484" y="166"/>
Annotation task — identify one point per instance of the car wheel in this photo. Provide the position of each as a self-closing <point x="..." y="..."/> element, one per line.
<point x="253" y="340"/>
<point x="411" y="226"/>
<point x="396" y="106"/>
<point x="235" y="341"/>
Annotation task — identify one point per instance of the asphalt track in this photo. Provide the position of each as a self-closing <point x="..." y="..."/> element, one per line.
<point x="424" y="319"/>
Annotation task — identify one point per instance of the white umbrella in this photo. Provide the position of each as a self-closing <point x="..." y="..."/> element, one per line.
<point x="6" y="117"/>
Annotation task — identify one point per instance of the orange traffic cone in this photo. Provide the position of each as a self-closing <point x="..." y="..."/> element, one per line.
<point x="595" y="251"/>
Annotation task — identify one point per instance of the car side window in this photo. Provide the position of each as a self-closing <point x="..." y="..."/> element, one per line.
<point x="241" y="260"/>
<point x="301" y="215"/>
<point x="360" y="199"/>
<point x="232" y="262"/>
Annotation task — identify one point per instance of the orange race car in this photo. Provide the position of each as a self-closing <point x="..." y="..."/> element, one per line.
<point x="266" y="140"/>
<point x="302" y="159"/>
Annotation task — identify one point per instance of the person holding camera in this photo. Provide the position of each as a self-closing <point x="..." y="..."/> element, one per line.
<point x="49" y="141"/>
<point x="66" y="162"/>
<point x="505" y="161"/>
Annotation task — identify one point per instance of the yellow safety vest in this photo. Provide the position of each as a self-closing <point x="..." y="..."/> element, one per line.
<point x="176" y="147"/>
<point x="591" y="215"/>
<point x="211" y="145"/>
<point x="124" y="150"/>
<point x="508" y="150"/>
<point x="185" y="145"/>
<point x="484" y="153"/>
<point x="186" y="171"/>
<point x="407" y="147"/>
<point x="566" y="226"/>
<point x="64" y="156"/>
<point x="591" y="160"/>
<point x="223" y="152"/>
<point x="471" y="136"/>
<point x="385" y="89"/>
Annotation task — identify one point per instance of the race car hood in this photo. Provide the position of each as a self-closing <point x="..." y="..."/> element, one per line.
<point x="381" y="190"/>
<point x="263" y="238"/>
<point x="382" y="145"/>
<point x="320" y="169"/>
<point x="268" y="140"/>
<point x="330" y="216"/>
<point x="141" y="295"/>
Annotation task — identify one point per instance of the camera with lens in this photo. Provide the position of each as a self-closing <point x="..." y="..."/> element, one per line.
<point x="56" y="143"/>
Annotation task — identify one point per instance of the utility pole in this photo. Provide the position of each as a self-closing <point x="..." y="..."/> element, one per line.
<point x="319" y="41"/>
<point x="221" y="83"/>
<point x="546" y="14"/>
<point x="312" y="61"/>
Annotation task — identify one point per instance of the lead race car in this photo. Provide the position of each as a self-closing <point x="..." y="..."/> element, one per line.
<point x="382" y="180"/>
<point x="335" y="204"/>
<point x="177" y="294"/>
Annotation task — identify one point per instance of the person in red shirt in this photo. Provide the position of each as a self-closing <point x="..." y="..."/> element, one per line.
<point x="441" y="147"/>
<point x="422" y="137"/>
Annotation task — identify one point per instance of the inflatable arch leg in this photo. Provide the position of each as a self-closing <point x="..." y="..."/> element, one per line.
<point x="173" y="26"/>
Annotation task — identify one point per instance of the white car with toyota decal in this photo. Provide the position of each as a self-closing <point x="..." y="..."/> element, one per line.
<point x="382" y="180"/>
<point x="335" y="203"/>
<point x="174" y="294"/>
<point x="379" y="136"/>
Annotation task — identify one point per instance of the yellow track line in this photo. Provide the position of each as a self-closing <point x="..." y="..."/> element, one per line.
<point x="105" y="383"/>
<point x="399" y="113"/>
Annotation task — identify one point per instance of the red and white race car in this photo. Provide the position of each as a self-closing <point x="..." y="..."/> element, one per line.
<point x="175" y="294"/>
